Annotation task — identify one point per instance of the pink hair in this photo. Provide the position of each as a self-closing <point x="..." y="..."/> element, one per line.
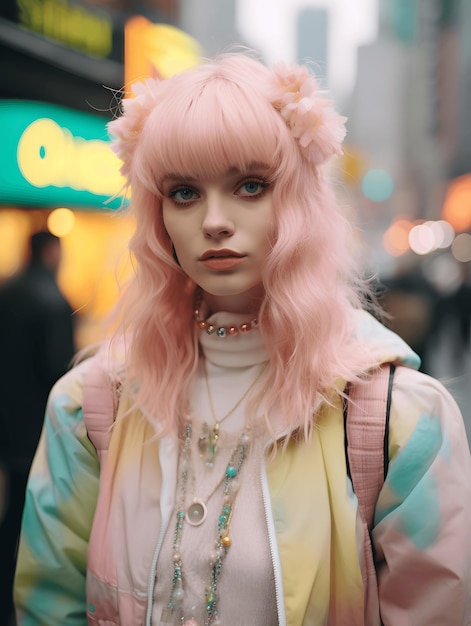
<point x="202" y="122"/>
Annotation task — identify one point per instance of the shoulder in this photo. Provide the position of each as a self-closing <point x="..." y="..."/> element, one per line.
<point x="71" y="383"/>
<point x="424" y="415"/>
<point x="93" y="369"/>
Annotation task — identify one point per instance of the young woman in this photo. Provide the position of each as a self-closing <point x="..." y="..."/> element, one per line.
<point x="224" y="496"/>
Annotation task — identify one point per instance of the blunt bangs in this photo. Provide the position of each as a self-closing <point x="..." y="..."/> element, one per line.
<point x="204" y="131"/>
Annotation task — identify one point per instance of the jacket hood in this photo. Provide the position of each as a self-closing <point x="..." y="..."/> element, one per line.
<point x="383" y="344"/>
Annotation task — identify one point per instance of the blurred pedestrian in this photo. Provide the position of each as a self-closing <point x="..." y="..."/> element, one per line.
<point x="413" y="304"/>
<point x="458" y="307"/>
<point x="37" y="344"/>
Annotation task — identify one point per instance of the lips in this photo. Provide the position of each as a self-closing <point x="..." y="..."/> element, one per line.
<point x="221" y="260"/>
<point x="218" y="254"/>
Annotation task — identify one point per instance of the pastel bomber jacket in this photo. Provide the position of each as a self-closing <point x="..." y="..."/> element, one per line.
<point x="89" y="546"/>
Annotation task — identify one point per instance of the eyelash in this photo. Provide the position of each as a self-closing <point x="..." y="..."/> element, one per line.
<point x="173" y="193"/>
<point x="263" y="184"/>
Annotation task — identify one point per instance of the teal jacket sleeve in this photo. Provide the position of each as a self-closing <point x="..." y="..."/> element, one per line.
<point x="59" y="508"/>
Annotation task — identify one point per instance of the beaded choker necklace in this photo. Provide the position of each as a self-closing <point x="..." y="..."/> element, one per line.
<point x="174" y="613"/>
<point x="223" y="331"/>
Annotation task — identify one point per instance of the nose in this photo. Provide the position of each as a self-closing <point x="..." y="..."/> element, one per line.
<point x="217" y="222"/>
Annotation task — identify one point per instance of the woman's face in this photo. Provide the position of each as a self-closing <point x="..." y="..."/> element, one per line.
<point x="221" y="231"/>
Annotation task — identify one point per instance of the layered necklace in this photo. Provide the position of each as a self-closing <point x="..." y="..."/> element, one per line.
<point x="208" y="440"/>
<point x="195" y="516"/>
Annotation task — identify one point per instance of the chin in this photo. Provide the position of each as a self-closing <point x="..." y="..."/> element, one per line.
<point x="239" y="297"/>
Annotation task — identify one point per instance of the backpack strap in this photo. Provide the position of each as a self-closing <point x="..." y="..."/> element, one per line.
<point x="367" y="437"/>
<point x="366" y="415"/>
<point x="99" y="405"/>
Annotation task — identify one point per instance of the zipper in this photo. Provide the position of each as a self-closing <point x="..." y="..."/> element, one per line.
<point x="275" y="555"/>
<point x="151" y="581"/>
<point x="164" y="525"/>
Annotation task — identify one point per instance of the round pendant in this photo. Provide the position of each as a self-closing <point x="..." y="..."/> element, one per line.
<point x="196" y="513"/>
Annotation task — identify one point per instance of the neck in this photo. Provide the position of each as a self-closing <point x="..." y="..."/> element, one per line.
<point x="241" y="303"/>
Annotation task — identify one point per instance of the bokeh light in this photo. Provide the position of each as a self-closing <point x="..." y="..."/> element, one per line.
<point x="422" y="239"/>
<point x="457" y="205"/>
<point x="444" y="233"/>
<point x="461" y="248"/>
<point x="60" y="222"/>
<point x="14" y="228"/>
<point x="377" y="185"/>
<point x="444" y="273"/>
<point x="396" y="237"/>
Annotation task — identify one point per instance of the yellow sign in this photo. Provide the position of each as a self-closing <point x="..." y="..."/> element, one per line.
<point x="53" y="156"/>
<point x="50" y="155"/>
<point x="69" y="24"/>
<point x="156" y="50"/>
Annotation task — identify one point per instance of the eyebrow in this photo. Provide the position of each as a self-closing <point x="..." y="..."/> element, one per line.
<point x="176" y="177"/>
<point x="254" y="165"/>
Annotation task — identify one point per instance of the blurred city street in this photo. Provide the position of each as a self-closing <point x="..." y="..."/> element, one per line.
<point x="454" y="372"/>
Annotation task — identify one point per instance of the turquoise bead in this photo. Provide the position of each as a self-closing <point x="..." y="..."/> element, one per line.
<point x="231" y="471"/>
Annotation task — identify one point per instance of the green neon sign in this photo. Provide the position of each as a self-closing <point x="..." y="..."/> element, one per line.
<point x="53" y="156"/>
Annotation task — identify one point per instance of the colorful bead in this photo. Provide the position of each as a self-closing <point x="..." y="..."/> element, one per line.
<point x="224" y="331"/>
<point x="222" y="542"/>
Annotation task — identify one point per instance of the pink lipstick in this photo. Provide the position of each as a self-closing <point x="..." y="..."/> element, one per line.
<point x="221" y="260"/>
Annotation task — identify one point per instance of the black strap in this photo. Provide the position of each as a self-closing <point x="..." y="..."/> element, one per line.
<point x="392" y="369"/>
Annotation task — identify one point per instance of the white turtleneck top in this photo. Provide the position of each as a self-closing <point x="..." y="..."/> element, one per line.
<point x="246" y="587"/>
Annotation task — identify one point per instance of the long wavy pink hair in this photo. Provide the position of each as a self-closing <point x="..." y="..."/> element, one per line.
<point x="202" y="122"/>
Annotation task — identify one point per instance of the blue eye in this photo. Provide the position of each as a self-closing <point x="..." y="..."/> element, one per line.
<point x="252" y="188"/>
<point x="182" y="195"/>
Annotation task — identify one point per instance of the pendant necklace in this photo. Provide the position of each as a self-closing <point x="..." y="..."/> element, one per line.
<point x="174" y="611"/>
<point x="208" y="440"/>
<point x="196" y="511"/>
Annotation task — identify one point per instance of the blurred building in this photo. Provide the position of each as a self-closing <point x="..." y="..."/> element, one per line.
<point x="312" y="40"/>
<point x="211" y="22"/>
<point x="408" y="168"/>
<point x="410" y="114"/>
<point x="61" y="52"/>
